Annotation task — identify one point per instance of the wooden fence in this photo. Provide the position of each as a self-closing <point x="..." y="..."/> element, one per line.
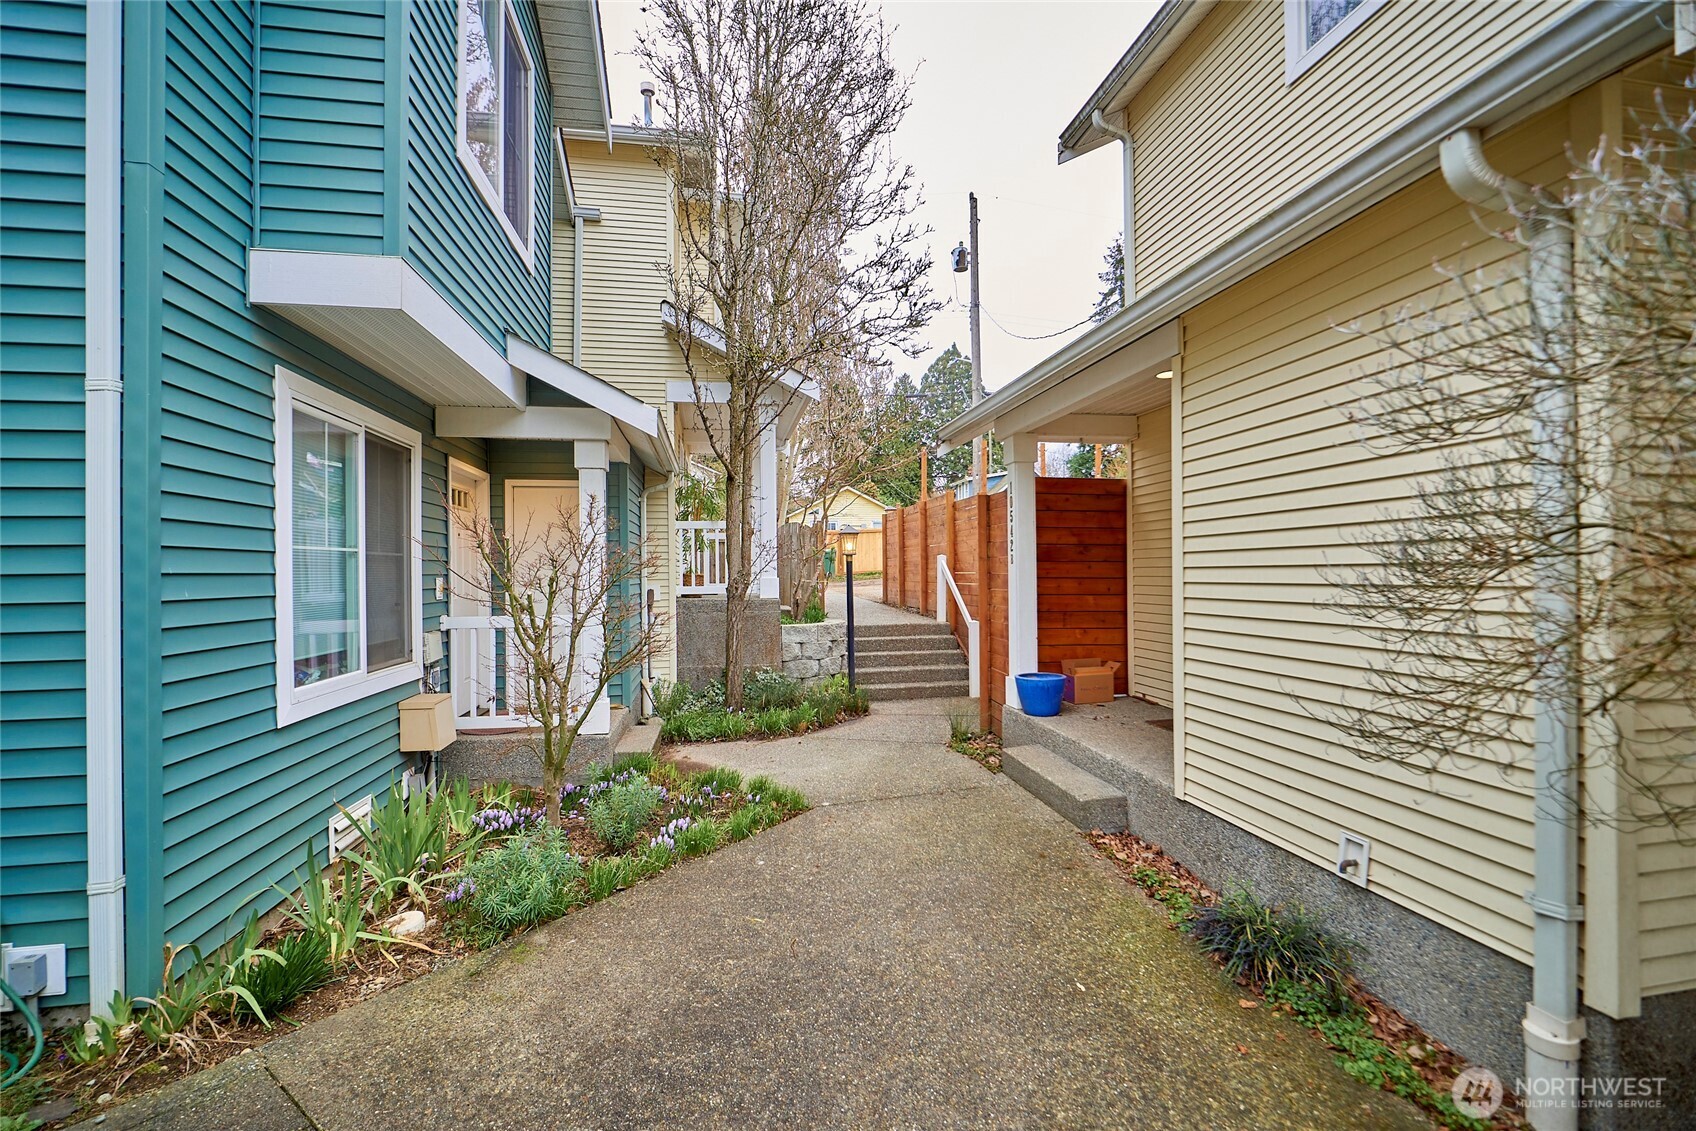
<point x="1081" y="574"/>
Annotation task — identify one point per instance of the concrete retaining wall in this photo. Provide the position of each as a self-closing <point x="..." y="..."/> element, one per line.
<point x="815" y="652"/>
<point x="699" y="632"/>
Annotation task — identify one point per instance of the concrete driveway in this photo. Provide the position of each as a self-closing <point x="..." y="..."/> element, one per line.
<point x="928" y="948"/>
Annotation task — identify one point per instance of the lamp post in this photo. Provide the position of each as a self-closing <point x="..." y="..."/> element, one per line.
<point x="848" y="588"/>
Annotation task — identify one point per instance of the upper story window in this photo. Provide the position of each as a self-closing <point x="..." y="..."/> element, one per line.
<point x="497" y="112"/>
<point x="349" y="567"/>
<point x="1313" y="27"/>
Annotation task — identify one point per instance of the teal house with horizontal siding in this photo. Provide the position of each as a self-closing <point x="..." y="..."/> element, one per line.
<point x="275" y="282"/>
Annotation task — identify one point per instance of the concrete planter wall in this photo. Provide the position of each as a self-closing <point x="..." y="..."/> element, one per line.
<point x="815" y="652"/>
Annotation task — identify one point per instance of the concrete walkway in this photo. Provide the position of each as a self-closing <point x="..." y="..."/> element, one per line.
<point x="867" y="608"/>
<point x="927" y="948"/>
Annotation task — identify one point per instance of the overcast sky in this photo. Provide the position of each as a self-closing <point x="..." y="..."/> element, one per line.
<point x="996" y="82"/>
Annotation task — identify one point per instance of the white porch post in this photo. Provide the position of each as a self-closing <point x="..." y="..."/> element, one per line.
<point x="765" y="510"/>
<point x="591" y="459"/>
<point x="1020" y="452"/>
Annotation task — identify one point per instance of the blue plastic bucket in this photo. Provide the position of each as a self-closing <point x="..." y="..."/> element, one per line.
<point x="1039" y="692"/>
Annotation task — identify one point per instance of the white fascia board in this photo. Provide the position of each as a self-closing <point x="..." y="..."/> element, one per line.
<point x="534" y="423"/>
<point x="712" y="338"/>
<point x="585" y="386"/>
<point x="1146" y="354"/>
<point x="1575" y="51"/>
<point x="361" y="285"/>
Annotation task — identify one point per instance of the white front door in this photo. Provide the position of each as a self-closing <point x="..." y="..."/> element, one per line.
<point x="532" y="508"/>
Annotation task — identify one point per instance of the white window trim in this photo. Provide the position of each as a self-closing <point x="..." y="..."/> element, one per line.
<point x="491" y="195"/>
<point x="1299" y="57"/>
<point x="294" y="704"/>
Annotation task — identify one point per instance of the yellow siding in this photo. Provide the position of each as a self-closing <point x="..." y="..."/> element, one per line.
<point x="1276" y="488"/>
<point x="1221" y="138"/>
<point x="1150" y="502"/>
<point x="1659" y="731"/>
<point x="624" y="258"/>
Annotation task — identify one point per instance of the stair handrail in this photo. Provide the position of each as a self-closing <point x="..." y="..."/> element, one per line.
<point x="945" y="582"/>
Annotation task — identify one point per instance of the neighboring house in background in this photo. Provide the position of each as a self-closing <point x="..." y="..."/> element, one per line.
<point x="851" y="509"/>
<point x="994" y="482"/>
<point x="293" y="261"/>
<point x="1282" y="180"/>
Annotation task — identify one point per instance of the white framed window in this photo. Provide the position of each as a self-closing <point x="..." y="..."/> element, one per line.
<point x="1313" y="27"/>
<point x="349" y="560"/>
<point x="497" y="114"/>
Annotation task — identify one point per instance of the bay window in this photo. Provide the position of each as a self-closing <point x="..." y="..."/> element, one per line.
<point x="349" y="566"/>
<point x="496" y="113"/>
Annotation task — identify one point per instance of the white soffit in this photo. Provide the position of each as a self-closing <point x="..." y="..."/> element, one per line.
<point x="380" y="311"/>
<point x="585" y="386"/>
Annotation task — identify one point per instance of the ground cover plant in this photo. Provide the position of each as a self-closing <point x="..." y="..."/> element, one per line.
<point x="1286" y="958"/>
<point x="773" y="705"/>
<point x="812" y="614"/>
<point x="435" y="878"/>
<point x="981" y="746"/>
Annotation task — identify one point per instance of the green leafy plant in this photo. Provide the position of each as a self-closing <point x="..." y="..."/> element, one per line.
<point x="702" y="836"/>
<point x="527" y="879"/>
<point x="178" y="1015"/>
<point x="1265" y="944"/>
<point x="404" y="840"/>
<point x="1344" y="1026"/>
<point x="103" y="1036"/>
<point x="671" y="698"/>
<point x="784" y="800"/>
<point x="767" y="688"/>
<point x="616" y="817"/>
<point x="332" y="908"/>
<point x="458" y="804"/>
<point x="302" y="965"/>
<point x="608" y="874"/>
<point x="722" y="780"/>
<point x="750" y="819"/>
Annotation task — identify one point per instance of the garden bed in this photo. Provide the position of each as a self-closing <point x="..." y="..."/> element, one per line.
<point x="773" y="706"/>
<point x="1284" y="959"/>
<point x="435" y="880"/>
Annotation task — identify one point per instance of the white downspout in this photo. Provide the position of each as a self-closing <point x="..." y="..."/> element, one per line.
<point x="103" y="387"/>
<point x="1553" y="1029"/>
<point x="576" y="288"/>
<point x="1127" y="151"/>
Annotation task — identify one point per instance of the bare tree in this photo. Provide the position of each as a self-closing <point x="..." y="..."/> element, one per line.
<point x="1553" y="552"/>
<point x="576" y="621"/>
<point x="795" y="243"/>
<point x="840" y="441"/>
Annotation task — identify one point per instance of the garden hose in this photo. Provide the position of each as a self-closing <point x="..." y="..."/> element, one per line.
<point x="13" y="1072"/>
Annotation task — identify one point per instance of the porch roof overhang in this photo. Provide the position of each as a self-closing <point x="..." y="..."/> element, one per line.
<point x="1573" y="51"/>
<point x="605" y="413"/>
<point x="380" y="311"/>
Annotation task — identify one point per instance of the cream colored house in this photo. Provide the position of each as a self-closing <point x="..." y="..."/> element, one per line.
<point x="851" y="509"/>
<point x="612" y="242"/>
<point x="1282" y="179"/>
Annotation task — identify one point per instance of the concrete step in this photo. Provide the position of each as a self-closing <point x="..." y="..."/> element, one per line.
<point x="888" y="669"/>
<point x="868" y="646"/>
<point x="912" y="628"/>
<point x="644" y="739"/>
<point x="919" y="689"/>
<point x="1080" y="797"/>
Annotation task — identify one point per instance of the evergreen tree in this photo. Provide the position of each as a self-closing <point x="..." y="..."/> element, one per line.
<point x="1112" y="296"/>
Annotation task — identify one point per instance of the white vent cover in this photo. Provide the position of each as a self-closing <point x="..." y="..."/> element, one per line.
<point x="344" y="834"/>
<point x="1354" y="854"/>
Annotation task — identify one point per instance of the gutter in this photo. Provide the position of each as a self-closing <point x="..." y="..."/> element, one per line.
<point x="1152" y="47"/>
<point x="1575" y="51"/>
<point x="1553" y="1029"/>
<point x="103" y="387"/>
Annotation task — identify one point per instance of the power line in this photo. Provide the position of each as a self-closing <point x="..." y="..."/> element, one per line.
<point x="1036" y="337"/>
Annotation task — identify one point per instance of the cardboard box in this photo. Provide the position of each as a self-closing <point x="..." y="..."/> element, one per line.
<point x="1089" y="680"/>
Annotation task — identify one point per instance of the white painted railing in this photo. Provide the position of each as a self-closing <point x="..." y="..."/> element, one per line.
<point x="945" y="585"/>
<point x="702" y="561"/>
<point x="473" y="647"/>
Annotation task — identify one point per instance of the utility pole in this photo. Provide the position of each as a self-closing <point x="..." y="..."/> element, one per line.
<point x="980" y="448"/>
